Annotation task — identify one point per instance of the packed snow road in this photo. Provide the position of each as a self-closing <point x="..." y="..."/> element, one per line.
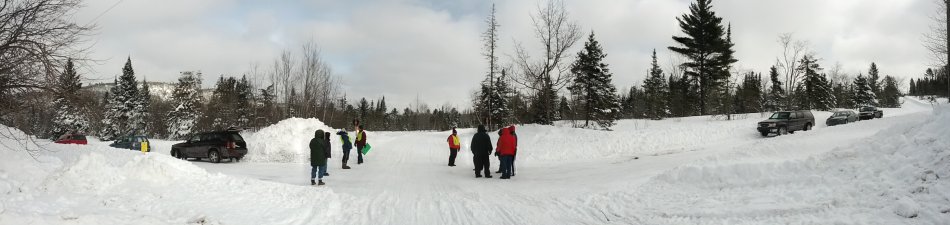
<point x="577" y="177"/>
<point x="694" y="170"/>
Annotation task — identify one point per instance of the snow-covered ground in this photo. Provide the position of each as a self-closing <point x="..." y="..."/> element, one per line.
<point x="694" y="170"/>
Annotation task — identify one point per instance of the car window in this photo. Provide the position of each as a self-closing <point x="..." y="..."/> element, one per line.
<point x="79" y="137"/>
<point x="780" y="115"/>
<point x="866" y="109"/>
<point x="841" y="114"/>
<point x="196" y="138"/>
<point x="236" y="137"/>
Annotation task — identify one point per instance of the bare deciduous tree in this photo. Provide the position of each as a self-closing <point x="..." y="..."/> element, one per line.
<point x="936" y="39"/>
<point x="792" y="51"/>
<point x="557" y="34"/>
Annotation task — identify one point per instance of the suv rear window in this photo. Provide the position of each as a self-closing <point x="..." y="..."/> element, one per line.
<point x="79" y="137"/>
<point x="867" y="109"/>
<point x="780" y="115"/>
<point x="236" y="137"/>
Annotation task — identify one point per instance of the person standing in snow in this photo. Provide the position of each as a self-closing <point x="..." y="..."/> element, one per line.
<point x="345" y="140"/>
<point x="360" y="143"/>
<point x="326" y="139"/>
<point x="506" y="150"/>
<point x="318" y="158"/>
<point x="454" y="146"/>
<point x="481" y="152"/>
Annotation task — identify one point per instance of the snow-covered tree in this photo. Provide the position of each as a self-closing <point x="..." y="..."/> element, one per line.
<point x="122" y="115"/>
<point x="68" y="117"/>
<point x="187" y="100"/>
<point x="863" y="94"/>
<point x="595" y="92"/>
<point x="655" y="91"/>
<point x="492" y="102"/>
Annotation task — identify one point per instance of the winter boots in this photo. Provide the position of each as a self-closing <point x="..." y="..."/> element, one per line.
<point x="321" y="183"/>
<point x="345" y="167"/>
<point x="312" y="182"/>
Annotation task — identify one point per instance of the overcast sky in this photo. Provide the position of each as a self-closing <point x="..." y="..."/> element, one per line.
<point x="431" y="48"/>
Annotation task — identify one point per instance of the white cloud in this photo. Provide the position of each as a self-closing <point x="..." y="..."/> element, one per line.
<point x="431" y="48"/>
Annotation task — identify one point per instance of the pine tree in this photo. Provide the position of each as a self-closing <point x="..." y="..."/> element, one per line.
<point x="492" y="103"/>
<point x="748" y="98"/>
<point x="564" y="109"/>
<point x="597" y="96"/>
<point x="776" y="96"/>
<point x="363" y="109"/>
<point x="244" y="110"/>
<point x="122" y="116"/>
<point x="874" y="78"/>
<point x="186" y="97"/>
<point x="890" y="94"/>
<point x="68" y="117"/>
<point x="143" y="118"/>
<point x="815" y="90"/>
<point x="863" y="95"/>
<point x="913" y="88"/>
<point x="706" y="48"/>
<point x="655" y="90"/>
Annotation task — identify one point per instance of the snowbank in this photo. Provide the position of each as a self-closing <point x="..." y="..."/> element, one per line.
<point x="286" y="141"/>
<point x="71" y="184"/>
<point x="897" y="176"/>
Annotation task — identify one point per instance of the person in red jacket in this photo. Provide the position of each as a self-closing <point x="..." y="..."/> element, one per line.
<point x="506" y="150"/>
<point x="454" y="146"/>
<point x="515" y="156"/>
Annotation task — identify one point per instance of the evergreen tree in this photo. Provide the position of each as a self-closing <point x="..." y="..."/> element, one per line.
<point x="863" y="95"/>
<point x="68" y="117"/>
<point x="776" y="96"/>
<point x="564" y="109"/>
<point x="186" y="97"/>
<point x="707" y="49"/>
<point x="492" y="103"/>
<point x="913" y="88"/>
<point x="597" y="96"/>
<point x="890" y="94"/>
<point x="363" y="109"/>
<point x="874" y="78"/>
<point x="749" y="94"/>
<point x="122" y="116"/>
<point x="267" y="106"/>
<point x="655" y="91"/>
<point x="815" y="90"/>
<point x="143" y="118"/>
<point x="244" y="110"/>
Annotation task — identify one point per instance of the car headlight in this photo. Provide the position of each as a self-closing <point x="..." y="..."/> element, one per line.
<point x="771" y="125"/>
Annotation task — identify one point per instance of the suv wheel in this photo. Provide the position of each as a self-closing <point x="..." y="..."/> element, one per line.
<point x="807" y="127"/>
<point x="213" y="156"/>
<point x="764" y="134"/>
<point x="177" y="154"/>
<point x="782" y="131"/>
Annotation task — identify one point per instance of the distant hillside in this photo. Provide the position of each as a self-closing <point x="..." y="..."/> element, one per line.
<point x="161" y="90"/>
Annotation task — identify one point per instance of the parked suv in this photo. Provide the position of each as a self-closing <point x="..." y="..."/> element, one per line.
<point x="77" y="139"/>
<point x="786" y="122"/>
<point x="842" y="117"/>
<point x="132" y="143"/>
<point x="213" y="146"/>
<point x="871" y="112"/>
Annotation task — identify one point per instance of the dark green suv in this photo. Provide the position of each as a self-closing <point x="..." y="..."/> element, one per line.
<point x="213" y="146"/>
<point x="787" y="122"/>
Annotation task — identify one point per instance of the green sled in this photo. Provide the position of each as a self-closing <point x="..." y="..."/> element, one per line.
<point x="366" y="148"/>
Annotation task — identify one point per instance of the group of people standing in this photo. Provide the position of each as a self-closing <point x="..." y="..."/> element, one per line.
<point x="505" y="150"/>
<point x="320" y="151"/>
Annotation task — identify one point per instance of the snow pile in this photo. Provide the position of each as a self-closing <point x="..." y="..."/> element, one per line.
<point x="286" y="141"/>
<point x="72" y="184"/>
<point x="897" y="176"/>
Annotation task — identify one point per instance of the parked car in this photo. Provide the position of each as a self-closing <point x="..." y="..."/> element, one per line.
<point x="213" y="146"/>
<point x="786" y="122"/>
<point x="77" y="139"/>
<point x="871" y="112"/>
<point x="132" y="143"/>
<point x="842" y="117"/>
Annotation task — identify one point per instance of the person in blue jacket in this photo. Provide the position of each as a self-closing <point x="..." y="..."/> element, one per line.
<point x="347" y="146"/>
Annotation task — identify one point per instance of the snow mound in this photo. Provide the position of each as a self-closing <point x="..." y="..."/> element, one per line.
<point x="285" y="142"/>
<point x="73" y="184"/>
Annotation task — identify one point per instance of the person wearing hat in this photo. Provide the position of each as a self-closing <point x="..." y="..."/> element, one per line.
<point x="481" y="152"/>
<point x="347" y="145"/>
<point x="454" y="146"/>
<point x="318" y="158"/>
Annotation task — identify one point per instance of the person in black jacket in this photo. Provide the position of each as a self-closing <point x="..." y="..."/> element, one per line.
<point x="481" y="152"/>
<point x="326" y="140"/>
<point x="318" y="158"/>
